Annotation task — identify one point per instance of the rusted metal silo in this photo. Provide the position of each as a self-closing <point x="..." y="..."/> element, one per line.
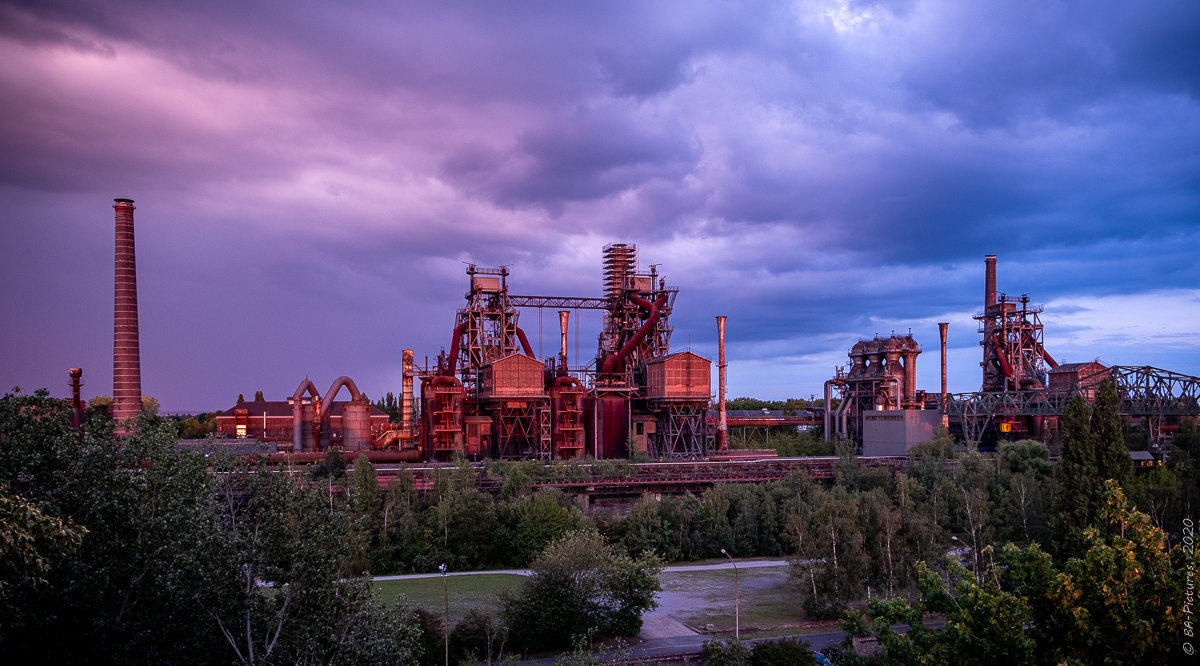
<point x="356" y="425"/>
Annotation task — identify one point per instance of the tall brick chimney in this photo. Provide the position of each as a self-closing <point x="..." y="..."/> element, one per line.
<point x="127" y="364"/>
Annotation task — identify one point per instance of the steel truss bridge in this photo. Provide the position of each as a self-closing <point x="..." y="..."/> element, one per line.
<point x="1144" y="391"/>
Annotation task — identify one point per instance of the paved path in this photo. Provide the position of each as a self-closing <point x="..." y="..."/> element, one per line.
<point x="751" y="564"/>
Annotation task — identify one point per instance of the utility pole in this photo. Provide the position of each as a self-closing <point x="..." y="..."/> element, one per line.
<point x="446" y="615"/>
<point x="737" y="630"/>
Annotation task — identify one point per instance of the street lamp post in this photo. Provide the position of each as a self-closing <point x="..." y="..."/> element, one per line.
<point x="737" y="629"/>
<point x="446" y="615"/>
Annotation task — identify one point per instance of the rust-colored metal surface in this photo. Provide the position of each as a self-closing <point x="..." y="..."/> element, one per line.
<point x="722" y="422"/>
<point x="76" y="400"/>
<point x="127" y="364"/>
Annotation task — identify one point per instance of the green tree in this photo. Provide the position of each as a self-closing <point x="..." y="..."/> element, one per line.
<point x="1119" y="603"/>
<point x="258" y="397"/>
<point x="31" y="544"/>
<point x="581" y="584"/>
<point x="1112" y="456"/>
<point x="1076" y="504"/>
<point x="728" y="652"/>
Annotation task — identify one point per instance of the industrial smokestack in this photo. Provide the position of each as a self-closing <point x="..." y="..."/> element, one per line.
<point x="406" y="398"/>
<point x="942" y="331"/>
<point x="76" y="401"/>
<point x="722" y="424"/>
<point x="989" y="281"/>
<point x="564" y="318"/>
<point x="127" y="363"/>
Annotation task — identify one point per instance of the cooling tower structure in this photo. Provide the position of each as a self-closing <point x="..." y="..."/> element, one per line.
<point x="127" y="365"/>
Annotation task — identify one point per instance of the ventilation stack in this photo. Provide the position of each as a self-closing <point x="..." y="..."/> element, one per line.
<point x="722" y="421"/>
<point x="127" y="365"/>
<point x="989" y="282"/>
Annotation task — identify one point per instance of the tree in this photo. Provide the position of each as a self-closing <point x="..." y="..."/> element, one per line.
<point x="31" y="544"/>
<point x="1076" y="504"/>
<point x="258" y="397"/>
<point x="1121" y="602"/>
<point x="150" y="406"/>
<point x="728" y="652"/>
<point x="1112" y="456"/>
<point x="581" y="584"/>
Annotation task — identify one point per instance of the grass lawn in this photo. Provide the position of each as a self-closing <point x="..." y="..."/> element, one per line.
<point x="479" y="591"/>
<point x="768" y="601"/>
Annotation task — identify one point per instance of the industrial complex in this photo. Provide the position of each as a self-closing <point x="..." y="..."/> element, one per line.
<point x="489" y="396"/>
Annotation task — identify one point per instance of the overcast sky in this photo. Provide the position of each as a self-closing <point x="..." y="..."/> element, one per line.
<point x="311" y="177"/>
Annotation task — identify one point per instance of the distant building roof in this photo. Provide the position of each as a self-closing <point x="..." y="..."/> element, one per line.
<point x="1141" y="455"/>
<point x="282" y="408"/>
<point x="1076" y="367"/>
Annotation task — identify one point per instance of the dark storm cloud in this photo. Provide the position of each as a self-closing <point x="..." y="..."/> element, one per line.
<point x="311" y="177"/>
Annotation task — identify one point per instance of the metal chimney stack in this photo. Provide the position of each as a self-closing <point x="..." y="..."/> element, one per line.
<point x="942" y="330"/>
<point x="722" y="423"/>
<point x="989" y="282"/>
<point x="127" y="364"/>
<point x="564" y="318"/>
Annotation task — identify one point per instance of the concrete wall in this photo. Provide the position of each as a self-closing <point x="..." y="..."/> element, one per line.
<point x="893" y="432"/>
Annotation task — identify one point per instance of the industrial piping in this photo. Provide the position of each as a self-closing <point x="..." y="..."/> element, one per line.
<point x="564" y="317"/>
<point x="942" y="331"/>
<point x="327" y="401"/>
<point x="722" y="423"/>
<point x="641" y="333"/>
<point x="76" y="402"/>
<point x="989" y="282"/>
<point x="524" y="342"/>
<point x="458" y="331"/>
<point x="298" y="411"/>
<point x="998" y="347"/>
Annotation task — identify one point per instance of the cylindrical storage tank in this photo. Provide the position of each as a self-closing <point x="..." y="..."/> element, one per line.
<point x="306" y="428"/>
<point x="356" y="426"/>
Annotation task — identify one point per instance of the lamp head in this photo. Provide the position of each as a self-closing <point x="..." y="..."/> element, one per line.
<point x="723" y="552"/>
<point x="954" y="537"/>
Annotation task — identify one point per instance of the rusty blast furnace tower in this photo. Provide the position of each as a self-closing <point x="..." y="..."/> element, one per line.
<point x="127" y="365"/>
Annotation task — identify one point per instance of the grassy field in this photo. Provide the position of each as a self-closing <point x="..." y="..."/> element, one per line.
<point x="768" y="601"/>
<point x="466" y="592"/>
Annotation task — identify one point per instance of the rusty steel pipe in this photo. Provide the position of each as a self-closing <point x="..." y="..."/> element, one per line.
<point x="458" y="331"/>
<point x="564" y="318"/>
<point x="989" y="281"/>
<point x="942" y="332"/>
<point x="76" y="402"/>
<point x="524" y="342"/>
<point x="722" y="423"/>
<point x="306" y="386"/>
<point x="653" y="309"/>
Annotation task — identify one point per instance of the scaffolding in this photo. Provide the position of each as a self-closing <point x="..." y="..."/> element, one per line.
<point x="1014" y="358"/>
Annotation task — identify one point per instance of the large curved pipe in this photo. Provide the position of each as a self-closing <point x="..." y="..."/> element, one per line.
<point x="567" y="381"/>
<point x="298" y="411"/>
<point x="524" y="342"/>
<point x="458" y="331"/>
<point x="327" y="401"/>
<point x="1040" y="349"/>
<point x="653" y="309"/>
<point x="998" y="347"/>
